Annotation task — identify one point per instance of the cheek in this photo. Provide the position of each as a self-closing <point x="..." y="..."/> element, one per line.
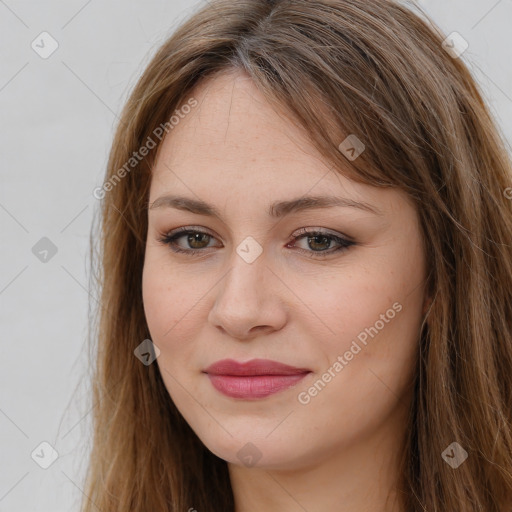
<point x="371" y="312"/>
<point x="372" y="319"/>
<point x="176" y="305"/>
<point x="172" y="309"/>
<point x="170" y="305"/>
<point x="344" y="305"/>
<point x="168" y="297"/>
<point x="157" y="295"/>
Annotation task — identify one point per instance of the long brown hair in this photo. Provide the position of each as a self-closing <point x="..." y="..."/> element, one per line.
<point x="335" y="67"/>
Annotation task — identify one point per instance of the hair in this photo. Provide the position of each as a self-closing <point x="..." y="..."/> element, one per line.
<point x="379" y="71"/>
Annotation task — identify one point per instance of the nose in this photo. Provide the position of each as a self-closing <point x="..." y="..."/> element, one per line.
<point x="248" y="302"/>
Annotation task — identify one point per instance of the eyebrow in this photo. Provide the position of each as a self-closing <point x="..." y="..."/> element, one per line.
<point x="277" y="209"/>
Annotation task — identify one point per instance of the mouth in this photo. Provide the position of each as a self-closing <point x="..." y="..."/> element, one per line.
<point x="254" y="379"/>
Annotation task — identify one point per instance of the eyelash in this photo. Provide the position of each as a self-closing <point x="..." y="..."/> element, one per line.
<point x="170" y="238"/>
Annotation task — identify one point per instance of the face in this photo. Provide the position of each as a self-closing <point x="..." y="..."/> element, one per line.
<point x="335" y="290"/>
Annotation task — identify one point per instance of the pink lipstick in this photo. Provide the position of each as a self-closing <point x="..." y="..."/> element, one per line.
<point x="254" y="379"/>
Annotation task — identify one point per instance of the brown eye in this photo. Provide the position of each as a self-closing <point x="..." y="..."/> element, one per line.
<point x="195" y="241"/>
<point x="320" y="242"/>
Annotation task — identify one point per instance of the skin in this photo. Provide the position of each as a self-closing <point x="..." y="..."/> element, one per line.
<point x="339" y="451"/>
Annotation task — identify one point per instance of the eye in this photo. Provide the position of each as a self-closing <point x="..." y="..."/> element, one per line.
<point x="318" y="240"/>
<point x="197" y="240"/>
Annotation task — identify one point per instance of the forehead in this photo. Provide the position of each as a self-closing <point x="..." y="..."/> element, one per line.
<point x="235" y="134"/>
<point x="235" y="144"/>
<point x="233" y="121"/>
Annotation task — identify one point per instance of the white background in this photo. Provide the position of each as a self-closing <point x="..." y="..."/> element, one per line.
<point x="57" y="120"/>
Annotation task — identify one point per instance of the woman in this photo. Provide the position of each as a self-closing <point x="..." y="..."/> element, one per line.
<point x="305" y="272"/>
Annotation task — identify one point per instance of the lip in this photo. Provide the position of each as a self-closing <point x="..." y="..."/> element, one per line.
<point x="254" y="379"/>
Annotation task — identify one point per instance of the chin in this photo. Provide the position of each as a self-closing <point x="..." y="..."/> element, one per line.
<point x="246" y="450"/>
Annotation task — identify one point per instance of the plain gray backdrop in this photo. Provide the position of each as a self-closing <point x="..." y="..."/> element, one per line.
<point x="58" y="113"/>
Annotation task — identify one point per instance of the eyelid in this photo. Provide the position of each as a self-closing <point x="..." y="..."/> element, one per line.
<point x="323" y="231"/>
<point x="295" y="234"/>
